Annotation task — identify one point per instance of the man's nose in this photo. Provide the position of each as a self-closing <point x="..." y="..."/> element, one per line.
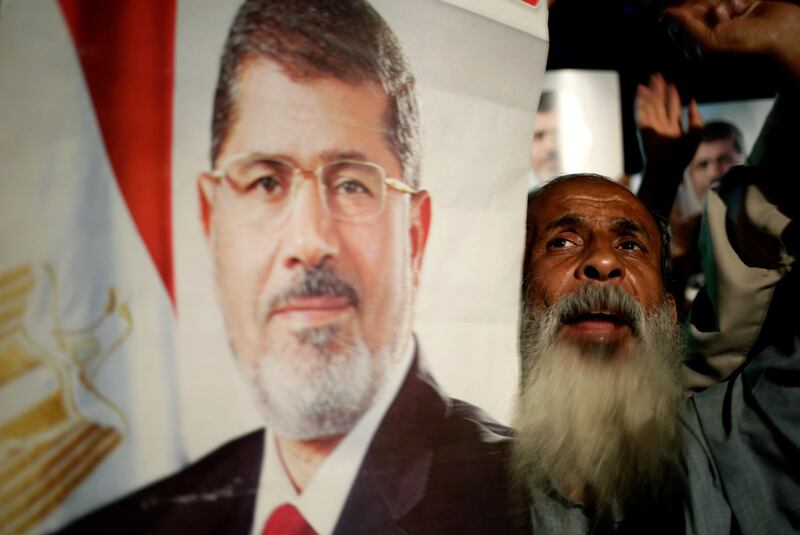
<point x="600" y="263"/>
<point x="310" y="234"/>
<point x="549" y="141"/>
<point x="716" y="169"/>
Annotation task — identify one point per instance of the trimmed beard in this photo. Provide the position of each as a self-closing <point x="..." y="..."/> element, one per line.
<point x="319" y="381"/>
<point x="592" y="419"/>
<point x="321" y="393"/>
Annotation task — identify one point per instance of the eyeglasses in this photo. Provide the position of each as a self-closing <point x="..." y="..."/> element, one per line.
<point x="351" y="190"/>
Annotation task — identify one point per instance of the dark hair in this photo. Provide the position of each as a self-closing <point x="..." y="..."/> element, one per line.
<point x="722" y="130"/>
<point x="343" y="39"/>
<point x="661" y="222"/>
<point x="547" y="102"/>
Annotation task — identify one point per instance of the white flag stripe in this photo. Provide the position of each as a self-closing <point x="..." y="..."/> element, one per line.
<point x="100" y="306"/>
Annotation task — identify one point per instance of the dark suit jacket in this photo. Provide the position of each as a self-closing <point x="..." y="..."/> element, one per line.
<point x="435" y="465"/>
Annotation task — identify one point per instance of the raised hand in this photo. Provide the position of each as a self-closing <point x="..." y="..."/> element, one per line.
<point x="658" y="113"/>
<point x="768" y="28"/>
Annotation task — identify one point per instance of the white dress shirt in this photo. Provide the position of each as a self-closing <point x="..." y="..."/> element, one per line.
<point x="323" y="498"/>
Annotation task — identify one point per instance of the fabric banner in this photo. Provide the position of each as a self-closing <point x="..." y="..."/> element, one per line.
<point x="118" y="336"/>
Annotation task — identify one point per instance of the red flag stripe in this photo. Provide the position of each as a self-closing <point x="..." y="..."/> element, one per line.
<point x="126" y="50"/>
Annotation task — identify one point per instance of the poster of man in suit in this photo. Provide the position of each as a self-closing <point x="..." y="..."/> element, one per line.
<point x="309" y="334"/>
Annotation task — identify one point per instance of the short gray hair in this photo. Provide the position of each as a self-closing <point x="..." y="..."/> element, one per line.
<point x="344" y="39"/>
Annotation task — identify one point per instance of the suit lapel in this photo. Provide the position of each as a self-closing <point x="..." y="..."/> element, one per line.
<point x="394" y="475"/>
<point x="232" y="476"/>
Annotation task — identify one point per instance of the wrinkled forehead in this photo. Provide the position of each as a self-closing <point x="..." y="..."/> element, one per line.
<point x="596" y="200"/>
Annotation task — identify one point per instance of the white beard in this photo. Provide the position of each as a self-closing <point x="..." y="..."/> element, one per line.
<point x="316" y="383"/>
<point x="307" y="391"/>
<point x="606" y="425"/>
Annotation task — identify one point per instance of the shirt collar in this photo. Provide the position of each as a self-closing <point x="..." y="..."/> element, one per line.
<point x="324" y="497"/>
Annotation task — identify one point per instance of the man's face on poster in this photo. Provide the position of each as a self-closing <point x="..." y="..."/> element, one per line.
<point x="545" y="157"/>
<point x="314" y="296"/>
<point x="710" y="163"/>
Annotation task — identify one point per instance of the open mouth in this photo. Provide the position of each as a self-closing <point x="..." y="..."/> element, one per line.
<point x="599" y="317"/>
<point x="598" y="327"/>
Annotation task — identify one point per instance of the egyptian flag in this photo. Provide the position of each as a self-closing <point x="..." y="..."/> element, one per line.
<point x="87" y="316"/>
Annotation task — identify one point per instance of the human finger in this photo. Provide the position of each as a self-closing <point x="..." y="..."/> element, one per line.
<point x="650" y="94"/>
<point x="657" y="83"/>
<point x="727" y="10"/>
<point x="673" y="105"/>
<point x="658" y="86"/>
<point x="722" y="13"/>
<point x="738" y="7"/>
<point x="695" y="118"/>
<point x="645" y="108"/>
<point x="695" y="22"/>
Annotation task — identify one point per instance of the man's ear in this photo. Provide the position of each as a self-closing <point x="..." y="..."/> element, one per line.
<point x="206" y="186"/>
<point x="420" y="224"/>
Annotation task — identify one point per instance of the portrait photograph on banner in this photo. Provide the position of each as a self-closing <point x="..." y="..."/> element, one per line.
<point x="259" y="267"/>
<point x="578" y="125"/>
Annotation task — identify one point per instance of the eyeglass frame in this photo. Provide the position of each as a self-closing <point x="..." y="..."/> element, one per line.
<point x="220" y="173"/>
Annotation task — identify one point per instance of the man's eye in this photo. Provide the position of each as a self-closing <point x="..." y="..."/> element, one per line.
<point x="559" y="243"/>
<point x="349" y="186"/>
<point x="270" y="184"/>
<point x="630" y="245"/>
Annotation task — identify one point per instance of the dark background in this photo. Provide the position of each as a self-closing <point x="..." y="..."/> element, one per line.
<point x="632" y="38"/>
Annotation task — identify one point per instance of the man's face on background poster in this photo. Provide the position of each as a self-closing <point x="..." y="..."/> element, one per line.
<point x="316" y="298"/>
<point x="545" y="158"/>
<point x="710" y="163"/>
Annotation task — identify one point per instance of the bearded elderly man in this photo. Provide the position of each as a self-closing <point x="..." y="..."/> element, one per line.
<point x="317" y="227"/>
<point x="598" y="428"/>
<point x="605" y="442"/>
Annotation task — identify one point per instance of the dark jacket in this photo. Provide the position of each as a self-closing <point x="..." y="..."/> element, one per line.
<point x="435" y="465"/>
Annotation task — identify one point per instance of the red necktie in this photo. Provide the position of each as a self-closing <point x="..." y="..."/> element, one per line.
<point x="287" y="520"/>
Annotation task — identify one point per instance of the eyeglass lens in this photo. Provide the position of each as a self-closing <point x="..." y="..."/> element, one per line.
<point x="351" y="189"/>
